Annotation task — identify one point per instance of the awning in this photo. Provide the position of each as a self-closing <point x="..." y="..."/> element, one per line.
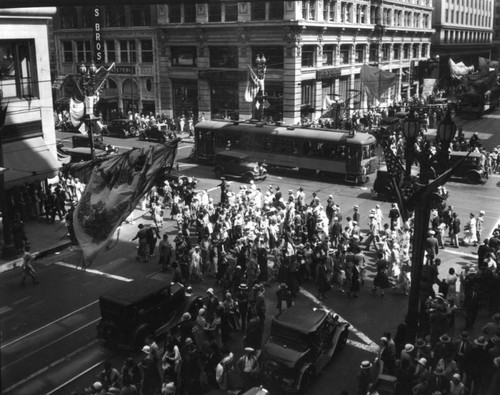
<point x="28" y="161"/>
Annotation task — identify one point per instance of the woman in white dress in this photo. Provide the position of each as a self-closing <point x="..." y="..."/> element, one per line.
<point x="470" y="231"/>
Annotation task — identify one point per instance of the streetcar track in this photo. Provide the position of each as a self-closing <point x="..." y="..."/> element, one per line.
<point x="50" y="344"/>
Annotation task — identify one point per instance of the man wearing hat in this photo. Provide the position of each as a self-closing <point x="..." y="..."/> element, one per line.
<point x="408" y="353"/>
<point x="438" y="381"/>
<point x="242" y="296"/>
<point x="476" y="365"/>
<point x="283" y="294"/>
<point x="249" y="368"/>
<point x="463" y="346"/>
<point x="210" y="304"/>
<point x="471" y="287"/>
<point x="365" y="377"/>
<point x="431" y="247"/>
<point x="373" y="232"/>
<point x="151" y="382"/>
<point x="492" y="328"/>
<point x="356" y="216"/>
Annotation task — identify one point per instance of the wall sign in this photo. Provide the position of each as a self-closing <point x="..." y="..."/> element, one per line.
<point x="98" y="46"/>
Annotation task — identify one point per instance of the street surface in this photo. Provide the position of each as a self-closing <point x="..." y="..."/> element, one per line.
<point x="49" y="344"/>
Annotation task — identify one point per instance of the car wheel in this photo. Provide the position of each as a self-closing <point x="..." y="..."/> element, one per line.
<point x="218" y="172"/>
<point x="342" y="341"/>
<point x="473" y="177"/>
<point x="306" y="380"/>
<point x="133" y="131"/>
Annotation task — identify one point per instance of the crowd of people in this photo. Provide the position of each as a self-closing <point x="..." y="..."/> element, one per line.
<point x="436" y="364"/>
<point x="253" y="238"/>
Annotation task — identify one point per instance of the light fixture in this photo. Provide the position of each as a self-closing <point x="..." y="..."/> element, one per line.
<point x="411" y="126"/>
<point x="82" y="69"/>
<point x="446" y="129"/>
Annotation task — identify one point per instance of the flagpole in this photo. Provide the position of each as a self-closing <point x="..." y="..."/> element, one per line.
<point x="261" y="74"/>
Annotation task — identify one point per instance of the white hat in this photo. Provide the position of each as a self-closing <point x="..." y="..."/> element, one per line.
<point x="146" y="349"/>
<point x="422" y="361"/>
<point x="249" y="349"/>
<point x="409" y="347"/>
<point x="482" y="212"/>
<point x="97" y="385"/>
<point x="210" y="291"/>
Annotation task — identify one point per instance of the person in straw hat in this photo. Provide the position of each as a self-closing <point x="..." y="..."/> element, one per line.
<point x="365" y="377"/>
<point x="249" y="367"/>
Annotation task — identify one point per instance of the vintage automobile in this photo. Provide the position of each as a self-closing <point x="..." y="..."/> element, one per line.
<point x="302" y="341"/>
<point x="238" y="164"/>
<point x="140" y="308"/>
<point x="158" y="132"/>
<point x="121" y="128"/>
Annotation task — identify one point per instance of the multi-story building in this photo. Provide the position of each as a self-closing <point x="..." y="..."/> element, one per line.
<point x="28" y="141"/>
<point x="199" y="53"/>
<point x="495" y="55"/>
<point x="463" y="31"/>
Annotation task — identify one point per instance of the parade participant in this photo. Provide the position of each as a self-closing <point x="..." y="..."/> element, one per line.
<point x="470" y="237"/>
<point x="454" y="230"/>
<point x="28" y="269"/>
<point x="249" y="368"/>
<point x="151" y="382"/>
<point x="283" y="294"/>
<point x="142" y="253"/>
<point x="374" y="228"/>
<point x="479" y="225"/>
<point x="164" y="253"/>
<point x="224" y="367"/>
<point x="364" y="377"/>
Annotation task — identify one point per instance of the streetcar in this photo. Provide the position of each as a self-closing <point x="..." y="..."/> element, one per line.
<point x="306" y="149"/>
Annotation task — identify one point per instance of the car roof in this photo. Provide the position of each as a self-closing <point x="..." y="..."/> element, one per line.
<point x="473" y="154"/>
<point x="121" y="120"/>
<point x="137" y="290"/>
<point x="301" y="319"/>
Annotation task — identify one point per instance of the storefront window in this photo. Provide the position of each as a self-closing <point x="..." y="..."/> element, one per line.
<point x="224" y="100"/>
<point x="185" y="98"/>
<point x="225" y="57"/>
<point x="183" y="56"/>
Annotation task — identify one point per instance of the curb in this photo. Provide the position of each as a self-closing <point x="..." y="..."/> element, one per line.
<point x="17" y="262"/>
<point x="40" y="254"/>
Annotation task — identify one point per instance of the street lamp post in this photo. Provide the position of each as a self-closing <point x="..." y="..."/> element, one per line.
<point x="260" y="62"/>
<point x="88" y="83"/>
<point x="422" y="200"/>
<point x="411" y="128"/>
<point x="446" y="132"/>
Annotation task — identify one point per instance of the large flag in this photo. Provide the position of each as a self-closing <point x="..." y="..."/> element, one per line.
<point x="115" y="187"/>
<point x="253" y="86"/>
<point x="458" y="70"/>
<point x="377" y="81"/>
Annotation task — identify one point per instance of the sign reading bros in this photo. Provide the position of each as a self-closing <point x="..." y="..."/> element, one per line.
<point x="98" y="48"/>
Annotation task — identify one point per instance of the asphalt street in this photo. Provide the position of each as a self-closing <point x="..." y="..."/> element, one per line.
<point x="49" y="340"/>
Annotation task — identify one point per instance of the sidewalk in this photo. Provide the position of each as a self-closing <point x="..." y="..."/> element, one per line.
<point x="46" y="238"/>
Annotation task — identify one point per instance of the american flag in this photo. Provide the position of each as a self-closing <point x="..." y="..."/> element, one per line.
<point x="394" y="166"/>
<point x="395" y="169"/>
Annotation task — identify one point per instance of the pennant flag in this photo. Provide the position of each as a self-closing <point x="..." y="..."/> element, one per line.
<point x="377" y="81"/>
<point x="253" y="86"/>
<point x="115" y="187"/>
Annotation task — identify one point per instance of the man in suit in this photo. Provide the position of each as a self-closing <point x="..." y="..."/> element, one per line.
<point x="454" y="230"/>
<point x="462" y="349"/>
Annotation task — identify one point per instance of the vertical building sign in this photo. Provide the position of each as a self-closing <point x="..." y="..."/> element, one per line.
<point x="411" y="72"/>
<point x="98" y="45"/>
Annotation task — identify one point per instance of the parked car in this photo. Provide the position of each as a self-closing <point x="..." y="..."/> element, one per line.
<point x="158" y="132"/>
<point x="302" y="341"/>
<point x="238" y="164"/>
<point x="469" y="170"/>
<point x="140" y="308"/>
<point x="121" y="128"/>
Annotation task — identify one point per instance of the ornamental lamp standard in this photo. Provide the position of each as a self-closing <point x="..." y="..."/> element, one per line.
<point x="411" y="129"/>
<point x="446" y="133"/>
<point x="260" y="62"/>
<point x="88" y="84"/>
